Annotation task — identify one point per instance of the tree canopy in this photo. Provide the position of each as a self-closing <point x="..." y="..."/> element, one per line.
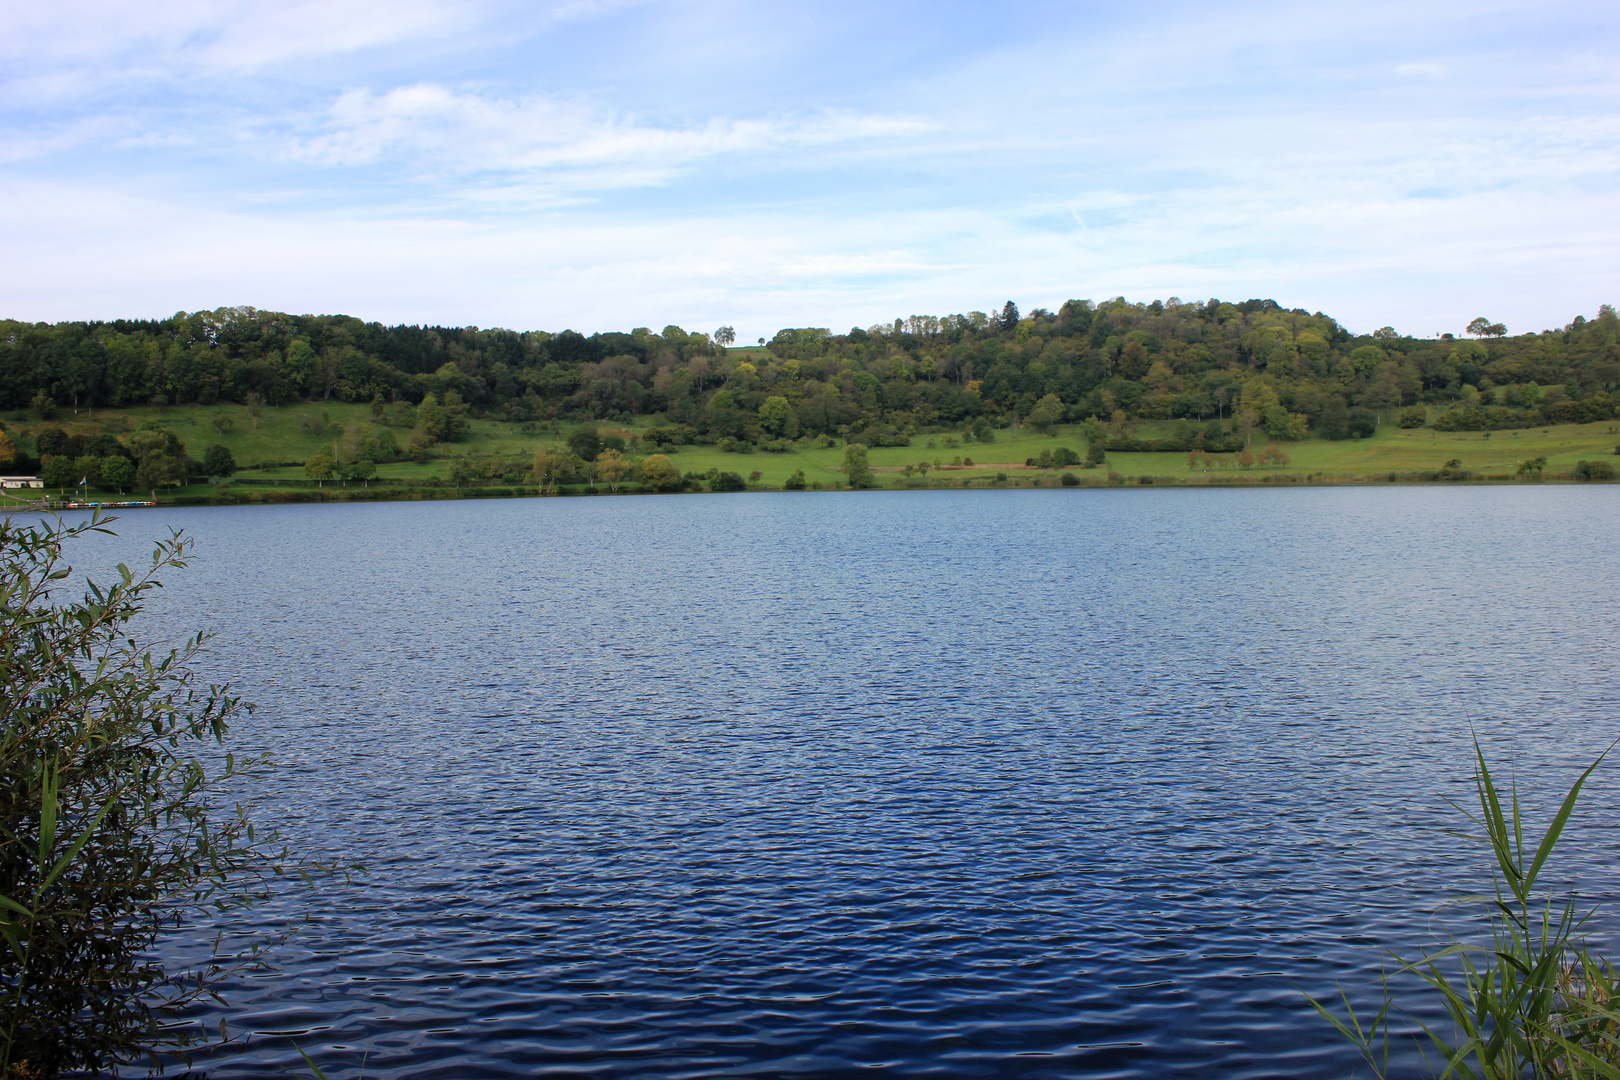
<point x="877" y="385"/>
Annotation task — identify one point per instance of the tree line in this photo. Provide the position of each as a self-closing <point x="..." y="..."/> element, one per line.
<point x="1247" y="366"/>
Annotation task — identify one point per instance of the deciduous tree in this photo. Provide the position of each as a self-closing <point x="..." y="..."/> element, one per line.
<point x="1047" y="412"/>
<point x="586" y="442"/>
<point x="218" y="461"/>
<point x="856" y="468"/>
<point x="58" y="473"/>
<point x="774" y="414"/>
<point x="320" y="468"/>
<point x="117" y="472"/>
<point x="659" y="473"/>
<point x="612" y="467"/>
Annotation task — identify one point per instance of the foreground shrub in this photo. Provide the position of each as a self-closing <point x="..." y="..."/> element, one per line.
<point x="112" y="829"/>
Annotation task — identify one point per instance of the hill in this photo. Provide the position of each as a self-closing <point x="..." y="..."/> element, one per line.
<point x="1153" y="383"/>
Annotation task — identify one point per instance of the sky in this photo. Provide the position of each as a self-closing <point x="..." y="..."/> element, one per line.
<point x="605" y="164"/>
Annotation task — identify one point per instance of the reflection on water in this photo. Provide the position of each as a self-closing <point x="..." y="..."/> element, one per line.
<point x="1035" y="784"/>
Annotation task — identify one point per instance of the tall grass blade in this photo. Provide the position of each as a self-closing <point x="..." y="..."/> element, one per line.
<point x="1516" y="1005"/>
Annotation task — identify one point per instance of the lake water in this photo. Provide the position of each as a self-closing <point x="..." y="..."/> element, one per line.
<point x="967" y="784"/>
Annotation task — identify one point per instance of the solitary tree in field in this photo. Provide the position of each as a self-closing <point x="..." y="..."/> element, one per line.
<point x="856" y="468"/>
<point x="255" y="408"/>
<point x="725" y="336"/>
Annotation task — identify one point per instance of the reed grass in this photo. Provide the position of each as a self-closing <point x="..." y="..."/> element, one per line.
<point x="1530" y="998"/>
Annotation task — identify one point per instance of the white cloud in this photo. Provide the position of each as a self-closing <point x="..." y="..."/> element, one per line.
<point x="82" y="49"/>
<point x="428" y="127"/>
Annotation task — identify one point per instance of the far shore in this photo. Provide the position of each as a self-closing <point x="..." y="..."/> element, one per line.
<point x="1017" y="477"/>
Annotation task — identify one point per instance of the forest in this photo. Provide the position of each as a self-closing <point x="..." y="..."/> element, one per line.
<point x="1246" y="366"/>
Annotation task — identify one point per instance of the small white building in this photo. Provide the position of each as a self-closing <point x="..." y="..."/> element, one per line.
<point x="21" y="482"/>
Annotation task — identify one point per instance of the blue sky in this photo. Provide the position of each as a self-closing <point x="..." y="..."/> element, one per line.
<point x="601" y="164"/>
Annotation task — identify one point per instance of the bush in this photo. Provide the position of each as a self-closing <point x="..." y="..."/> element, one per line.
<point x="884" y="435"/>
<point x="1594" y="470"/>
<point x="44" y="405"/>
<point x="795" y="482"/>
<point x="1070" y="480"/>
<point x="727" y="481"/>
<point x="1362" y="422"/>
<point x="1414" y="417"/>
<point x="664" y="436"/>
<point x="113" y="829"/>
<point x="1212" y="441"/>
<point x="1489" y="418"/>
<point x="659" y="473"/>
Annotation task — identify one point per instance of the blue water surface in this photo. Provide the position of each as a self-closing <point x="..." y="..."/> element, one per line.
<point x="963" y="784"/>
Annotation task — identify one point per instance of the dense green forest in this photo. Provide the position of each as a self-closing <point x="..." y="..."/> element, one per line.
<point x="1245" y="365"/>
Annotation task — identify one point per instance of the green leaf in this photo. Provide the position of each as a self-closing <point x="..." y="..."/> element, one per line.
<point x="1556" y="829"/>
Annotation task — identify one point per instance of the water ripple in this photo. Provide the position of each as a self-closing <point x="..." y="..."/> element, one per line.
<point x="1000" y="784"/>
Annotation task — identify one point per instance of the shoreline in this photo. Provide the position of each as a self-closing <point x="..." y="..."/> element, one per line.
<point x="295" y="494"/>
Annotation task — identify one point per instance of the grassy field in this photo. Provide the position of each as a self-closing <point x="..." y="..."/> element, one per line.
<point x="294" y="433"/>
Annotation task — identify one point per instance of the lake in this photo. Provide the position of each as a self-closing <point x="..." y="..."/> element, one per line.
<point x="973" y="784"/>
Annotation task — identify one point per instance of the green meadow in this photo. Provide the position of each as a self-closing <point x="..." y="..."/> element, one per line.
<point x="273" y="448"/>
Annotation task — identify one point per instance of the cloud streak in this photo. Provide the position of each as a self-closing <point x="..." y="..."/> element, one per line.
<point x="428" y="127"/>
